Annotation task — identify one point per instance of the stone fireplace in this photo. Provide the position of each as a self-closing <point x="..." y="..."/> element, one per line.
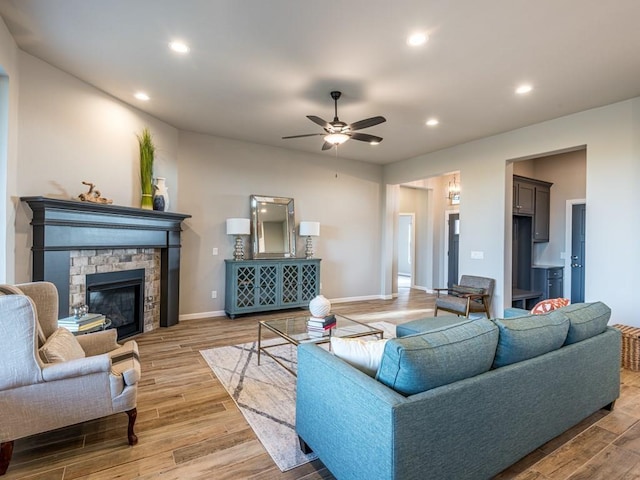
<point x="73" y="241"/>
<point x="131" y="273"/>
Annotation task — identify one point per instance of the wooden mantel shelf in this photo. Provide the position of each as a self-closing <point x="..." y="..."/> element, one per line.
<point x="60" y="226"/>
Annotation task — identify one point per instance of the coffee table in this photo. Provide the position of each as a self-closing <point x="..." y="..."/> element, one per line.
<point x="294" y="331"/>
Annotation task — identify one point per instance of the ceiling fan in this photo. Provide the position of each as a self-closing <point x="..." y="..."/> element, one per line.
<point x="338" y="132"/>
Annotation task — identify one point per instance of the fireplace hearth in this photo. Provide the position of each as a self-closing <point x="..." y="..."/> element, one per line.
<point x="120" y="297"/>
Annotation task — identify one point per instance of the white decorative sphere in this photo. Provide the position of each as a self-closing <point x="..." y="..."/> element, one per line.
<point x="320" y="306"/>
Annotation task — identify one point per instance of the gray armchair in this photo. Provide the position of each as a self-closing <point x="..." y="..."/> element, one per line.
<point x="98" y="379"/>
<point x="472" y="295"/>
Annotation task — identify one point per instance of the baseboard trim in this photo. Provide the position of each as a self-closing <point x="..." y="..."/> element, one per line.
<point x="196" y="316"/>
<point x="221" y="313"/>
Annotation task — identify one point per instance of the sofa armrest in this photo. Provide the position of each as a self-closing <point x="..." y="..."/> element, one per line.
<point x="342" y="411"/>
<point x="76" y="368"/>
<point x="98" y="343"/>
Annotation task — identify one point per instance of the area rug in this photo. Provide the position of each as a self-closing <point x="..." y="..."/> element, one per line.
<point x="266" y="394"/>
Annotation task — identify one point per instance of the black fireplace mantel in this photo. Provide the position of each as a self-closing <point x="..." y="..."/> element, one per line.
<point x="60" y="226"/>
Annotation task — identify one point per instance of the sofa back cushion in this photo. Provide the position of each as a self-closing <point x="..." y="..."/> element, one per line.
<point x="417" y="363"/>
<point x="527" y="337"/>
<point x="586" y="320"/>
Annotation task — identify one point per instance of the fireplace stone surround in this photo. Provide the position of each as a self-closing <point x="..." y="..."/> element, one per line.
<point x="73" y="238"/>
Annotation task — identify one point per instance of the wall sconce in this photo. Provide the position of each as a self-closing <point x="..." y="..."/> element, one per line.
<point x="454" y="192"/>
<point x="238" y="227"/>
<point x="309" y="229"/>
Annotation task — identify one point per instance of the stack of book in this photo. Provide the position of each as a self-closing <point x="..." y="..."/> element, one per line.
<point x="321" y="327"/>
<point x="83" y="323"/>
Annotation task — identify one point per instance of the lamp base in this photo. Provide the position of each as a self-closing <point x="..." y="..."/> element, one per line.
<point x="238" y="252"/>
<point x="308" y="253"/>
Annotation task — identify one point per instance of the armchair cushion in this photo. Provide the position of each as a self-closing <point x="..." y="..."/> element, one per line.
<point x="522" y="338"/>
<point x="61" y="346"/>
<point x="464" y="290"/>
<point x="417" y="363"/>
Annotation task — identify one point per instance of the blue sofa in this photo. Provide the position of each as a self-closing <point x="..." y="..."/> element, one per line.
<point x="473" y="426"/>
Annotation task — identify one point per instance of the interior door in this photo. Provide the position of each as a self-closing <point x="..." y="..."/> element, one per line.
<point x="454" y="246"/>
<point x="578" y="239"/>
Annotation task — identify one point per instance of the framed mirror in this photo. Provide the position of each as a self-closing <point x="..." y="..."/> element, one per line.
<point x="273" y="227"/>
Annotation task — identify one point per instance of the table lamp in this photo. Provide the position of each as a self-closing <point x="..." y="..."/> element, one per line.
<point x="238" y="227"/>
<point x="309" y="229"/>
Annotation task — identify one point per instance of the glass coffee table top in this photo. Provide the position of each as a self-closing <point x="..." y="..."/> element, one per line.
<point x="294" y="331"/>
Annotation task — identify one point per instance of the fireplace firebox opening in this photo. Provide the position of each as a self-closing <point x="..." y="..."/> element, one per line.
<point x="120" y="297"/>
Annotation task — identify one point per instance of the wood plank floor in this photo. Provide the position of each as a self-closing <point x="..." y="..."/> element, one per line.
<point x="190" y="428"/>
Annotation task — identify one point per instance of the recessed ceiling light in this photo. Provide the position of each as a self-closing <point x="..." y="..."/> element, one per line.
<point x="374" y="143"/>
<point x="142" y="96"/>
<point x="522" y="89"/>
<point x="432" y="122"/>
<point x="179" y="47"/>
<point x="417" y="39"/>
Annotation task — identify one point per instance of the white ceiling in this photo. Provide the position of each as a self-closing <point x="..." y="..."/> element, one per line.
<point x="258" y="67"/>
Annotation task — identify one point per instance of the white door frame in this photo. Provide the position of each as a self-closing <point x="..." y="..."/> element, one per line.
<point x="412" y="250"/>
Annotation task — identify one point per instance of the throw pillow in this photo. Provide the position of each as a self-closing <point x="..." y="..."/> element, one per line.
<point x="527" y="337"/>
<point x="546" y="306"/>
<point x="361" y="354"/>
<point x="61" y="346"/>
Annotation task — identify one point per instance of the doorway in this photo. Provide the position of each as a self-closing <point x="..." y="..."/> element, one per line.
<point x="453" y="248"/>
<point x="406" y="250"/>
<point x="578" y="241"/>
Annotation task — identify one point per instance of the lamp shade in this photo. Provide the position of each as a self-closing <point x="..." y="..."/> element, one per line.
<point x="309" y="229"/>
<point x="238" y="226"/>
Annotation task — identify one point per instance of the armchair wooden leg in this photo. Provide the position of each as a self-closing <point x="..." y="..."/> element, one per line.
<point x="133" y="414"/>
<point x="6" y="450"/>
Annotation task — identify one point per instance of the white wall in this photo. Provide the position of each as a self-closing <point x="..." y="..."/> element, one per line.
<point x="70" y="132"/>
<point x="218" y="175"/>
<point x="9" y="88"/>
<point x="612" y="137"/>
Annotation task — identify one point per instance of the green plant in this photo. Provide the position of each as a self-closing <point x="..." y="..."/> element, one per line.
<point x="147" y="152"/>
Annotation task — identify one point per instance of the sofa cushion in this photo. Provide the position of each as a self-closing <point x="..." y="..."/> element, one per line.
<point x="365" y="355"/>
<point x="423" y="325"/>
<point x="417" y="363"/>
<point x="522" y="338"/>
<point x="586" y="320"/>
<point x="61" y="346"/>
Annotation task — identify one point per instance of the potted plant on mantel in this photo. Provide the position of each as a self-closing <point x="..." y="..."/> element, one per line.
<point x="147" y="151"/>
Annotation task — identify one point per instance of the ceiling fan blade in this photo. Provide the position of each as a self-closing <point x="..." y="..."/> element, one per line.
<point x="365" y="137"/>
<point x="319" y="121"/>
<point x="305" y="135"/>
<point x="367" y="122"/>
<point x="327" y="145"/>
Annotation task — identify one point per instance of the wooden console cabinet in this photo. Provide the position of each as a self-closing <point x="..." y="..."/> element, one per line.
<point x="270" y="284"/>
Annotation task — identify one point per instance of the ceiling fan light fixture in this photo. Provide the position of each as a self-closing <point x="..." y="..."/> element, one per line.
<point x="336" y="138"/>
<point x="374" y="143"/>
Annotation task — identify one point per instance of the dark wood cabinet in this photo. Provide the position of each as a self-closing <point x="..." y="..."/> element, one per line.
<point x="549" y="280"/>
<point x="532" y="197"/>
<point x="524" y="194"/>
<point x="541" y="214"/>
